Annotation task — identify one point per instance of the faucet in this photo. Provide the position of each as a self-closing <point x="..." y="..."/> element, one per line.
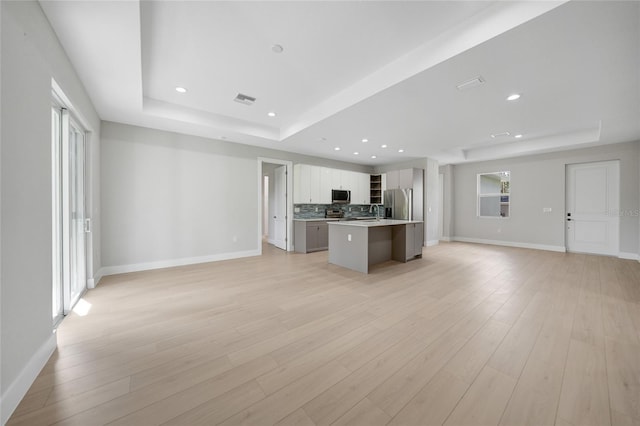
<point x="377" y="207"/>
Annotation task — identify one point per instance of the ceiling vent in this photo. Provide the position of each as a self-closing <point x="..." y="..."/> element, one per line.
<point x="244" y="99"/>
<point x="500" y="135"/>
<point x="474" y="82"/>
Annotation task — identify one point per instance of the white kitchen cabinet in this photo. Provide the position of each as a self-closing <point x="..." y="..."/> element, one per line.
<point x="364" y="189"/>
<point x="326" y="176"/>
<point x="392" y="180"/>
<point x="313" y="184"/>
<point x="399" y="179"/>
<point x="405" y="178"/>
<point x="306" y="184"/>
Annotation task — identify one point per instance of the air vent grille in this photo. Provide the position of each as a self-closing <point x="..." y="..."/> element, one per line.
<point x="474" y="82"/>
<point x="245" y="99"/>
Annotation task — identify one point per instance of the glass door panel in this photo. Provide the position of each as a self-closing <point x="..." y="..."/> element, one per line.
<point x="56" y="224"/>
<point x="77" y="236"/>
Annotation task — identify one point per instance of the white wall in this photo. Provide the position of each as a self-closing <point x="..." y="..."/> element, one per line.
<point x="31" y="56"/>
<point x="536" y="182"/>
<point x="171" y="199"/>
<point x="432" y="202"/>
<point x="447" y="207"/>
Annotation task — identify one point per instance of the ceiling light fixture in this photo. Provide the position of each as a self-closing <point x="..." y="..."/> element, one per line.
<point x="401" y="150"/>
<point x="271" y="114"/>
<point x="337" y="148"/>
<point x="513" y="97"/>
<point x="356" y="153"/>
<point x="518" y="136"/>
<point x="383" y="146"/>
<point x="469" y="84"/>
<point x="373" y="156"/>
<point x="181" y="89"/>
<point x="277" y="48"/>
<point x="365" y="140"/>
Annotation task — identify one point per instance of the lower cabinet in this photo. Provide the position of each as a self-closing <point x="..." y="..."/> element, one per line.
<point x="310" y="236"/>
<point x="415" y="240"/>
<point x="408" y="241"/>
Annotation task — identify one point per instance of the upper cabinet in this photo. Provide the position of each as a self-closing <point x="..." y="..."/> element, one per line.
<point x="313" y="184"/>
<point x="399" y="179"/>
<point x="306" y="184"/>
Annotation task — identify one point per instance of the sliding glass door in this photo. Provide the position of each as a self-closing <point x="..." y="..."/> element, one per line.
<point x="69" y="219"/>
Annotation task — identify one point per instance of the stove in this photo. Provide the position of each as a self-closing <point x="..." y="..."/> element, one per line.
<point x="334" y="213"/>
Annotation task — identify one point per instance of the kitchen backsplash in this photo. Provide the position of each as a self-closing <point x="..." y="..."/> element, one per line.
<point x="313" y="211"/>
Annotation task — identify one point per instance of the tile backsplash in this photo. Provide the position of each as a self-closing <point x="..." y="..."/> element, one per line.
<point x="313" y="211"/>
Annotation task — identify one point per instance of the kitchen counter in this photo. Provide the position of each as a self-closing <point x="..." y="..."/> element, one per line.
<point x="359" y="244"/>
<point x="317" y="219"/>
<point x="369" y="222"/>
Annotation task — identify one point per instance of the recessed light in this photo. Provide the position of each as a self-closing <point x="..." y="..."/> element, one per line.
<point x="401" y="150"/>
<point x="383" y="146"/>
<point x="271" y="114"/>
<point x="365" y="140"/>
<point x="373" y="156"/>
<point x="277" y="48"/>
<point x="337" y="148"/>
<point x="181" y="89"/>
<point x="518" y="136"/>
<point x="513" y="97"/>
<point x="356" y="153"/>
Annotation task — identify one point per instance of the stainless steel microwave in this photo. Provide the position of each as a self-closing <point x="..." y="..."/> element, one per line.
<point x="340" y="196"/>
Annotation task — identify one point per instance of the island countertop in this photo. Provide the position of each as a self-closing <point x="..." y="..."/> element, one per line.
<point x="374" y="222"/>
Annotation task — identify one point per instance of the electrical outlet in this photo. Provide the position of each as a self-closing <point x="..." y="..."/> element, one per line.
<point x="296" y="210"/>
<point x="316" y="210"/>
<point x="546" y="209"/>
<point x="348" y="237"/>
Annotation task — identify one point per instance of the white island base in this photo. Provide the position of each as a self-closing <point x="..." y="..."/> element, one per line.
<point x="358" y="245"/>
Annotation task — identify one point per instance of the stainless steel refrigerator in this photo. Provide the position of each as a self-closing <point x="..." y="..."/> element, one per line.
<point x="398" y="204"/>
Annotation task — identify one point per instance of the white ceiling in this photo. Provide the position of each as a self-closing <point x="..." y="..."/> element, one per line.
<point x="385" y="71"/>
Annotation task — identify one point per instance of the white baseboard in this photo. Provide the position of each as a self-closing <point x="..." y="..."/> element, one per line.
<point x="17" y="390"/>
<point x="446" y="239"/>
<point x="629" y="256"/>
<point x="123" y="269"/>
<point x="432" y="243"/>
<point x="561" y="249"/>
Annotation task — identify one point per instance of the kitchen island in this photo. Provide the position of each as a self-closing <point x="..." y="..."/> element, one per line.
<point x="360" y="244"/>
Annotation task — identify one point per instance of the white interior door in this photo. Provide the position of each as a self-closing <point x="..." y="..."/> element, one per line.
<point x="592" y="219"/>
<point x="280" y="208"/>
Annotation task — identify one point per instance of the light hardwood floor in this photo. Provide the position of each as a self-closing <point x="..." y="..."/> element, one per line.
<point x="469" y="334"/>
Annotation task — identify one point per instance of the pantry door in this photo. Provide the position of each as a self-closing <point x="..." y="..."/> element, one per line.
<point x="592" y="207"/>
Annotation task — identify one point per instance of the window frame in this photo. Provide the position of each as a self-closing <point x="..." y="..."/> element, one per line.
<point x="480" y="195"/>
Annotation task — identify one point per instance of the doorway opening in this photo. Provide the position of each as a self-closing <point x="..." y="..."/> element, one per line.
<point x="275" y="205"/>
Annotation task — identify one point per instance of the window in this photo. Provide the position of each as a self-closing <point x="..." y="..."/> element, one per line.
<point x="494" y="194"/>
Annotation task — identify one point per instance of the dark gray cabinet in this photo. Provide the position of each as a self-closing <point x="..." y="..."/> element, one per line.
<point x="310" y="236"/>
<point x="408" y="241"/>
